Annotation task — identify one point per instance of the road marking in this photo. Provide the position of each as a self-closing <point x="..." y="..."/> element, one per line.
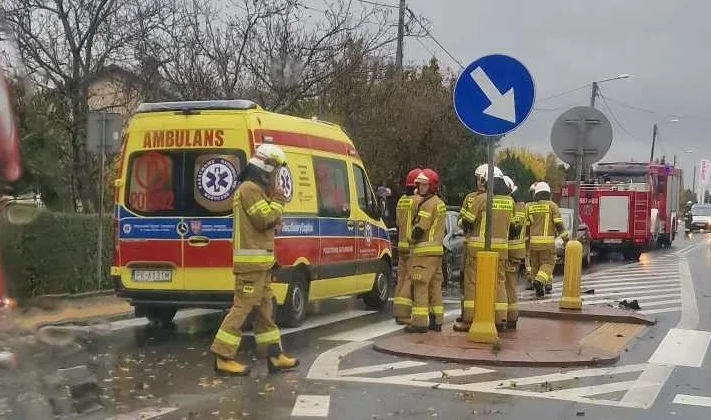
<point x="320" y="321"/>
<point x="682" y="348"/>
<point x="616" y="282"/>
<point x="380" y="368"/>
<point x="592" y="389"/>
<point x="692" y="400"/>
<point x="659" y="311"/>
<point x="645" y="390"/>
<point x="372" y="331"/>
<point x="144" y="413"/>
<point x="311" y="406"/>
<point x="427" y="376"/>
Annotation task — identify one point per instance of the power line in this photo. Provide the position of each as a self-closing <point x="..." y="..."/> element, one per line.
<point x="636" y="108"/>
<point x="375" y="3"/>
<point x="429" y="34"/>
<point x="566" y="92"/>
<point x="614" y="117"/>
<point x="425" y="47"/>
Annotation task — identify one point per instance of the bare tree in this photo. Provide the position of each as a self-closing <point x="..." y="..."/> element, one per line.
<point x="68" y="46"/>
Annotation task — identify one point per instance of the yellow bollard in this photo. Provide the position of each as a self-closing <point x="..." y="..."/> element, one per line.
<point x="483" y="329"/>
<point x="571" y="276"/>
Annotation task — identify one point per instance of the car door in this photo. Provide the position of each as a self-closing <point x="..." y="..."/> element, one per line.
<point x="367" y="238"/>
<point x="210" y="181"/>
<point x="337" y="229"/>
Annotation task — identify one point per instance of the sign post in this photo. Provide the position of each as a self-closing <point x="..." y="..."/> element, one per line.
<point x="492" y="97"/>
<point x="103" y="131"/>
<point x="580" y="136"/>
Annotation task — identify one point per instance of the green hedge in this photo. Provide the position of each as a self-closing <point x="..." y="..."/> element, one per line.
<point x="54" y="254"/>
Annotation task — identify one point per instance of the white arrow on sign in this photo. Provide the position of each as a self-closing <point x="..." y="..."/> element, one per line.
<point x="503" y="106"/>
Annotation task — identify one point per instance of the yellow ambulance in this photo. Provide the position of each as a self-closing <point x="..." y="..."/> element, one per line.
<point x="173" y="210"/>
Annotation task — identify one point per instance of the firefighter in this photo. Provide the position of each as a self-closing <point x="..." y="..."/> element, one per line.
<point x="473" y="214"/>
<point x="426" y="255"/>
<point x="402" y="303"/>
<point x="543" y="219"/>
<point x="258" y="205"/>
<point x="517" y="254"/>
<point x="529" y="276"/>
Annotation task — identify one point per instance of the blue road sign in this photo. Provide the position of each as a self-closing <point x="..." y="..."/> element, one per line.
<point x="494" y="95"/>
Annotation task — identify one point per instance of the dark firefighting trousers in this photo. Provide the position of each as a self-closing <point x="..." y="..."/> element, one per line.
<point x="424" y="275"/>
<point x="253" y="291"/>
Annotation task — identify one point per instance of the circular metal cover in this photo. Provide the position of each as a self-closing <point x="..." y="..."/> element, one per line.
<point x="565" y="135"/>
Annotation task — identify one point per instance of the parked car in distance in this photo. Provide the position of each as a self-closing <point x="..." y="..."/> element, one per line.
<point x="583" y="235"/>
<point x="453" y="247"/>
<point x="700" y="217"/>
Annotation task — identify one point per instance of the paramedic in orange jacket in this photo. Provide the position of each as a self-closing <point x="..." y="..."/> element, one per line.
<point x="258" y="206"/>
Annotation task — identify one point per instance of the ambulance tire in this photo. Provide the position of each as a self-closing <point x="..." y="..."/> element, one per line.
<point x="293" y="312"/>
<point x="160" y="317"/>
<point x="378" y="297"/>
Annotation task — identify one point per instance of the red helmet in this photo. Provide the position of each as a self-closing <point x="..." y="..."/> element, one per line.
<point x="431" y="178"/>
<point x="410" y="179"/>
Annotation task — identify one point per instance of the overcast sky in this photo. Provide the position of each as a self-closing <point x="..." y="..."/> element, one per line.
<point x="664" y="45"/>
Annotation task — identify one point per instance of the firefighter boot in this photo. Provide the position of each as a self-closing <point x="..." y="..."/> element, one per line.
<point x="411" y="329"/>
<point x="549" y="288"/>
<point x="538" y="287"/>
<point x="433" y="324"/>
<point x="277" y="361"/>
<point x="230" y="367"/>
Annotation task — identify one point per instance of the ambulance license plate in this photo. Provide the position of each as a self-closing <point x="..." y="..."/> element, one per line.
<point x="152" y="276"/>
<point x="613" y="241"/>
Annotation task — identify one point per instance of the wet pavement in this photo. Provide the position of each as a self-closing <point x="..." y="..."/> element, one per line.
<point x="146" y="373"/>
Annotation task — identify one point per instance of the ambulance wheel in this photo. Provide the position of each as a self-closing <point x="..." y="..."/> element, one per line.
<point x="160" y="317"/>
<point x="293" y="312"/>
<point x="378" y="297"/>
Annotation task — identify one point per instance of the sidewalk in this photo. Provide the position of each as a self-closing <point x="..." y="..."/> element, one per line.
<point x="63" y="309"/>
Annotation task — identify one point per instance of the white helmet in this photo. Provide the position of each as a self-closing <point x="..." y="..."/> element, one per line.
<point x="542" y="187"/>
<point x="482" y="171"/>
<point x="510" y="183"/>
<point x="533" y="187"/>
<point x="267" y="157"/>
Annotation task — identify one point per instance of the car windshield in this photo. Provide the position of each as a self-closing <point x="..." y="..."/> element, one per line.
<point x="701" y="211"/>
<point x="621" y="179"/>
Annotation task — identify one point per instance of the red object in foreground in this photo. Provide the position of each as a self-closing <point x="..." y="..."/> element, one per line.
<point x="9" y="156"/>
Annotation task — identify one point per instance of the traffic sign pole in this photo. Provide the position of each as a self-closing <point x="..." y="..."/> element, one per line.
<point x="489" y="192"/>
<point x="493" y="96"/>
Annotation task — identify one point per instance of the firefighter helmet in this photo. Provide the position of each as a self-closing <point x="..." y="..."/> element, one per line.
<point x="410" y="178"/>
<point x="268" y="157"/>
<point x="482" y="171"/>
<point x="542" y="187"/>
<point x="428" y="176"/>
<point x="510" y="183"/>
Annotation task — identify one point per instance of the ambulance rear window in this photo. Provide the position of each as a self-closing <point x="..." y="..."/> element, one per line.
<point x="183" y="182"/>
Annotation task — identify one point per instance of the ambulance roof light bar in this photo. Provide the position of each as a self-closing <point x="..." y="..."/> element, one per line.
<point x="189" y="106"/>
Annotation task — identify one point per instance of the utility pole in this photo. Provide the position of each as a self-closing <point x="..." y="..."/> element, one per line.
<point x="654" y="140"/>
<point x="693" y="183"/>
<point x="595" y="92"/>
<point x="400" y="37"/>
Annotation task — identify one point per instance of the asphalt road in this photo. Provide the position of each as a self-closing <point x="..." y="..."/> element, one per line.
<point x="167" y="374"/>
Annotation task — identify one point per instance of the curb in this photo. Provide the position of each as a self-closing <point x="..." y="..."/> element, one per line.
<point x="589" y="313"/>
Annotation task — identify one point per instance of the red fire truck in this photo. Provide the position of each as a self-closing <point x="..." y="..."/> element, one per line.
<point x="629" y="206"/>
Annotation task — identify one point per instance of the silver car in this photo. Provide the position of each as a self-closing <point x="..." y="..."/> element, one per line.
<point x="583" y="237"/>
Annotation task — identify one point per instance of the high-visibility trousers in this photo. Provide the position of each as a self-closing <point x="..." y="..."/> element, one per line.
<point x="511" y="292"/>
<point x="542" y="265"/>
<point x="253" y="291"/>
<point x="468" y="284"/>
<point x="402" y="302"/>
<point x="423" y="270"/>
<point x="435" y="296"/>
<point x="501" y="303"/>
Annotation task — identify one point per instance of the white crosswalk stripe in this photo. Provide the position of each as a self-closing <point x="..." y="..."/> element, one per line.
<point x="655" y="284"/>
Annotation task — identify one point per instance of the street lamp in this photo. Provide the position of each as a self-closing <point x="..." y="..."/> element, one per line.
<point x="596" y="88"/>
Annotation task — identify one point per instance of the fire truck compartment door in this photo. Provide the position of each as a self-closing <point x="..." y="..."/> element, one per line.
<point x="614" y="214"/>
